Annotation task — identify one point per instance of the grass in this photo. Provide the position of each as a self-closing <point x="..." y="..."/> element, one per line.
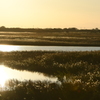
<point x="78" y="75"/>
<point x="52" y="62"/>
<point x="70" y="38"/>
<point x="50" y="91"/>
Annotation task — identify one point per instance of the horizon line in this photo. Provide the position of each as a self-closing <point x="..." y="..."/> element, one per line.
<point x="52" y="28"/>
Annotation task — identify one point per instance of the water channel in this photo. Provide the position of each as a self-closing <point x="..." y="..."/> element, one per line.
<point x="9" y="48"/>
<point x="7" y="73"/>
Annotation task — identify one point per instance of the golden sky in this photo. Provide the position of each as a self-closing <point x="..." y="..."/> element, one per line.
<point x="50" y="13"/>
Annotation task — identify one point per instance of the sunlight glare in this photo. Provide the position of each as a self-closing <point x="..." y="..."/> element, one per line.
<point x="3" y="76"/>
<point x="8" y="48"/>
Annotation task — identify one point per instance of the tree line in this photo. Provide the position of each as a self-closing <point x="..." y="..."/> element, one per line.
<point x="73" y="29"/>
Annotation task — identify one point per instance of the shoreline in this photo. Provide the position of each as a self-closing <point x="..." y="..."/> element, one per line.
<point x="37" y="44"/>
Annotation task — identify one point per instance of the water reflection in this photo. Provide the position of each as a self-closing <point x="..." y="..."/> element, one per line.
<point x="9" y="48"/>
<point x="3" y="76"/>
<point x="8" y="73"/>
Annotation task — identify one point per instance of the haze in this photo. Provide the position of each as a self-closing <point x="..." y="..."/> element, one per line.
<point x="50" y="13"/>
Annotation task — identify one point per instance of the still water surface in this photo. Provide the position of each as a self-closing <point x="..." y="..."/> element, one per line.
<point x="7" y="73"/>
<point x="9" y="48"/>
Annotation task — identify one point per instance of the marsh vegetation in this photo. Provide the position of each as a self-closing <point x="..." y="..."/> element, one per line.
<point x="52" y="38"/>
<point x="78" y="75"/>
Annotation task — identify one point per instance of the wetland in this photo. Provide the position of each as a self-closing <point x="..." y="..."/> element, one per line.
<point x="61" y="65"/>
<point x="77" y="73"/>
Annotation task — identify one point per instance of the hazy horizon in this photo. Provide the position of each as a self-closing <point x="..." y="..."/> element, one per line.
<point x="81" y="14"/>
<point x="96" y="28"/>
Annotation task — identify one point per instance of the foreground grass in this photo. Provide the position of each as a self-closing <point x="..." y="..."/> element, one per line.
<point x="50" y="91"/>
<point x="78" y="75"/>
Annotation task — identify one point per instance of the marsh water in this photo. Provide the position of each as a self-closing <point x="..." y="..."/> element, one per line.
<point x="7" y="73"/>
<point x="9" y="48"/>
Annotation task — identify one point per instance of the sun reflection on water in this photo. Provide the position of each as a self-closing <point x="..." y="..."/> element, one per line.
<point x="7" y="73"/>
<point x="8" y="48"/>
<point x="3" y="76"/>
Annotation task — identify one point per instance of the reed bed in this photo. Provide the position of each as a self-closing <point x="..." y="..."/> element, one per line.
<point x="52" y="62"/>
<point x="38" y="90"/>
<point x="71" y="38"/>
<point x="78" y="75"/>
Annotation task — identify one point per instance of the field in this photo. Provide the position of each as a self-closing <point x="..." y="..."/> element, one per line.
<point x="78" y="75"/>
<point x="57" y="38"/>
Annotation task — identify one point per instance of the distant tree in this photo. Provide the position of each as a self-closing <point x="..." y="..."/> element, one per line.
<point x="2" y="27"/>
<point x="96" y="29"/>
<point x="72" y="29"/>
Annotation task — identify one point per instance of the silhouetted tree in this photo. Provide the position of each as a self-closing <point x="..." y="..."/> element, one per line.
<point x="2" y="27"/>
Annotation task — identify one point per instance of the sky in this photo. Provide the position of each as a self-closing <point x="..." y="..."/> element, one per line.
<point x="82" y="14"/>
